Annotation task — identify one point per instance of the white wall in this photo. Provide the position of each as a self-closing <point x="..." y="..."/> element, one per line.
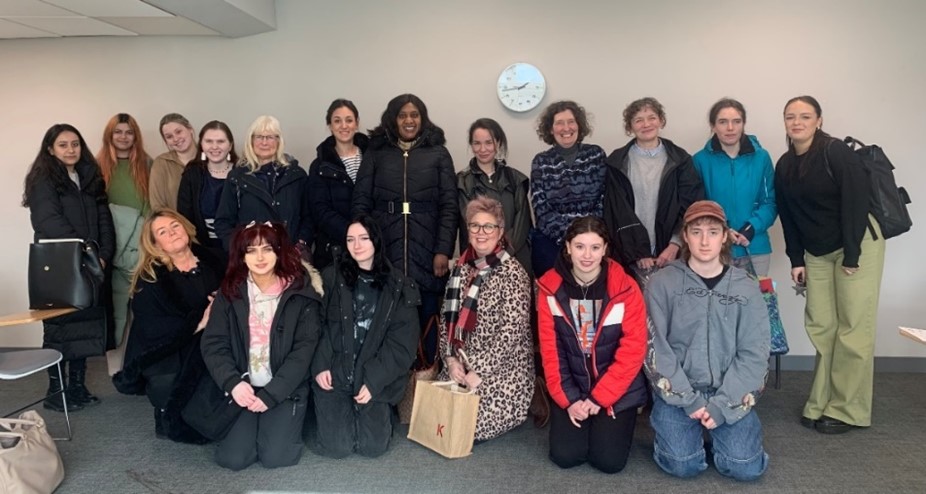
<point x="862" y="59"/>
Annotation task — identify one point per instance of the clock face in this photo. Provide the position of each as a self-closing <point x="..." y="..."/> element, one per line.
<point x="521" y="87"/>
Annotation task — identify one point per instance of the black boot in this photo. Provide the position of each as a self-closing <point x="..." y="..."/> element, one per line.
<point x="77" y="391"/>
<point x="56" y="402"/>
<point x="159" y="431"/>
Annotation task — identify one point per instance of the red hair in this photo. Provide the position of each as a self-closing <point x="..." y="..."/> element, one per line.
<point x="138" y="158"/>
<point x="289" y="262"/>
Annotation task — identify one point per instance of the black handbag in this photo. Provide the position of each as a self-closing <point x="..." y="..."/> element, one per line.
<point x="210" y="411"/>
<point x="64" y="273"/>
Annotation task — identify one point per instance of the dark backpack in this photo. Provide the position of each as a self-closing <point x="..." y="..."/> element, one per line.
<point x="888" y="201"/>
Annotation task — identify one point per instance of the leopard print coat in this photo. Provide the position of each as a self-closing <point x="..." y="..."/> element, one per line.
<point x="500" y="349"/>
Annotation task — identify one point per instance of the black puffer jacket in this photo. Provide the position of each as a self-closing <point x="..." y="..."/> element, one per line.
<point x="64" y="211"/>
<point x="424" y="178"/>
<point x="226" y="340"/>
<point x="679" y="188"/>
<point x="388" y="347"/>
<point x="246" y="198"/>
<point x="75" y="213"/>
<point x="330" y="192"/>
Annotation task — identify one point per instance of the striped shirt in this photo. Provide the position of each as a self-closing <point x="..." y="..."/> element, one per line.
<point x="352" y="164"/>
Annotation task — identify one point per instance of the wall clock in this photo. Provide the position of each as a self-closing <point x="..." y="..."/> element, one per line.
<point x="521" y="87"/>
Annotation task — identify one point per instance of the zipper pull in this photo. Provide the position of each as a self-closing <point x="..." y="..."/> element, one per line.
<point x="405" y="154"/>
<point x="295" y="401"/>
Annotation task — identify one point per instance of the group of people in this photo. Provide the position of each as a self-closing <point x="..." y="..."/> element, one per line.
<point x="633" y="261"/>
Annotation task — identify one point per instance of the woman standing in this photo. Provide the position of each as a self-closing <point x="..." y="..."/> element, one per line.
<point x="488" y="175"/>
<point x="268" y="185"/>
<point x="203" y="179"/>
<point x="369" y="337"/>
<point x="168" y="167"/>
<point x="485" y="331"/>
<point x="836" y="249"/>
<point x="737" y="173"/>
<point x="258" y="344"/>
<point x="592" y="340"/>
<point x="172" y="289"/>
<point x="332" y="176"/>
<point x="650" y="184"/>
<point x="66" y="197"/>
<point x="125" y="167"/>
<point x="406" y="182"/>
<point x="567" y="180"/>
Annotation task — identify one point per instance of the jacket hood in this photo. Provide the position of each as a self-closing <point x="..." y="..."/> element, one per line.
<point x="433" y="136"/>
<point x="748" y="144"/>
<point x="327" y="152"/>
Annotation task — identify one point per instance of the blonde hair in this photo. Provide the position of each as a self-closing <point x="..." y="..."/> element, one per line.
<point x="268" y="125"/>
<point x="150" y="256"/>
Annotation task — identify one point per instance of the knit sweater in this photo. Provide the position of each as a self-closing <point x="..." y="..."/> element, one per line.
<point x="561" y="192"/>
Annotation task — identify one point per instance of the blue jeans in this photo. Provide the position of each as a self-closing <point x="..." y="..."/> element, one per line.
<point x="679" y="444"/>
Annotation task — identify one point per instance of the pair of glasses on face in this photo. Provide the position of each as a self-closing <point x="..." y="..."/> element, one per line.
<point x="263" y="138"/>
<point x="487" y="228"/>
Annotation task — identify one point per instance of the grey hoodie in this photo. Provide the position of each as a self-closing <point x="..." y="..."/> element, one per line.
<point x="707" y="348"/>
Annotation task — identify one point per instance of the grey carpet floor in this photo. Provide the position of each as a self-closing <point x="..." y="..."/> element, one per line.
<point x="114" y="451"/>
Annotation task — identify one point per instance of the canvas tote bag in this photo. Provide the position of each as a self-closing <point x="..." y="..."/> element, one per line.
<point x="444" y="418"/>
<point x="29" y="459"/>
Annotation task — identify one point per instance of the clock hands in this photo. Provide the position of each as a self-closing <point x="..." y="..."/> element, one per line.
<point x="518" y="88"/>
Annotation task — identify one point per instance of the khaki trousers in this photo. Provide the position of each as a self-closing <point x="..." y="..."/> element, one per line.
<point x="841" y="319"/>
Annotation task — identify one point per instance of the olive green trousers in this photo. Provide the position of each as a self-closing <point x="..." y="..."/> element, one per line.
<point x="841" y="318"/>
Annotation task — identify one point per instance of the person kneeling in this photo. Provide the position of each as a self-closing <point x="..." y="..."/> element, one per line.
<point x="369" y="336"/>
<point x="592" y="329"/>
<point x="708" y="356"/>
<point x="258" y="345"/>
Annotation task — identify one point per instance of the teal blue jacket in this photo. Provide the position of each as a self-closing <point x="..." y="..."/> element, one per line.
<point x="744" y="186"/>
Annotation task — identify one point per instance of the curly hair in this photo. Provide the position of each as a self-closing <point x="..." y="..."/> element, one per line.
<point x="545" y="120"/>
<point x="640" y="105"/>
<point x="389" y="127"/>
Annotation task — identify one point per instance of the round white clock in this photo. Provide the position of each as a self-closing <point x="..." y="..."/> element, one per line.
<point x="521" y="87"/>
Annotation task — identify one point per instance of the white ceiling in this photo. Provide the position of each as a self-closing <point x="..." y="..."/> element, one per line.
<point x="60" y="18"/>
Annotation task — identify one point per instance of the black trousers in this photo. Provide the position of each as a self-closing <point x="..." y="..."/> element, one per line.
<point x="344" y="427"/>
<point x="274" y="437"/>
<point x="603" y="441"/>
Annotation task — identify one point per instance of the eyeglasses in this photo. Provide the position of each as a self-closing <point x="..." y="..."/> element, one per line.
<point x="257" y="137"/>
<point x="488" y="228"/>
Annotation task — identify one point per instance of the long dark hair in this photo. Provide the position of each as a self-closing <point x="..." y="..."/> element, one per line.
<point x="348" y="266"/>
<point x="388" y="126"/>
<point x="585" y="224"/>
<point x="289" y="264"/>
<point x="48" y="169"/>
<point x="820" y="139"/>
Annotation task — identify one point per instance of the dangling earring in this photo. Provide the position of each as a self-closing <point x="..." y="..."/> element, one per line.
<point x="228" y="157"/>
<point x="202" y="156"/>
